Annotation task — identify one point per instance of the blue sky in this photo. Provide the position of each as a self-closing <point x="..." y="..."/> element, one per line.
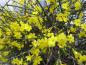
<point x="2" y="2"/>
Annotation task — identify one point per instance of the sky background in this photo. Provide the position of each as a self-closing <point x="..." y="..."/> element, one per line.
<point x="3" y="2"/>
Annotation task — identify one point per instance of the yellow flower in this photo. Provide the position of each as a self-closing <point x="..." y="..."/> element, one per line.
<point x="14" y="26"/>
<point x="77" y="5"/>
<point x="81" y="15"/>
<point x="22" y="1"/>
<point x="17" y="61"/>
<point x="63" y="64"/>
<point x="61" y="39"/>
<point x="25" y="63"/>
<point x="29" y="57"/>
<point x="35" y="43"/>
<point x="3" y="59"/>
<point x="52" y="8"/>
<point x="72" y="29"/>
<point x="36" y="21"/>
<point x="65" y="6"/>
<point x="1" y="47"/>
<point x="8" y="31"/>
<point x="35" y="13"/>
<point x="25" y="27"/>
<point x="77" y="22"/>
<point x="70" y="38"/>
<point x="62" y="17"/>
<point x="73" y="0"/>
<point x="0" y="32"/>
<point x="43" y="43"/>
<point x="82" y="58"/>
<point x="36" y="53"/>
<point x="37" y="60"/>
<point x="31" y="36"/>
<point x="5" y="53"/>
<point x="83" y="26"/>
<point x="37" y="9"/>
<point x="51" y="1"/>
<point x="46" y="30"/>
<point x="50" y="34"/>
<point x="17" y="45"/>
<point x="82" y="34"/>
<point x="17" y="35"/>
<point x="52" y="41"/>
<point x="77" y="54"/>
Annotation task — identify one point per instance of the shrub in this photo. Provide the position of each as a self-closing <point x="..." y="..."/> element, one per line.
<point x="53" y="34"/>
